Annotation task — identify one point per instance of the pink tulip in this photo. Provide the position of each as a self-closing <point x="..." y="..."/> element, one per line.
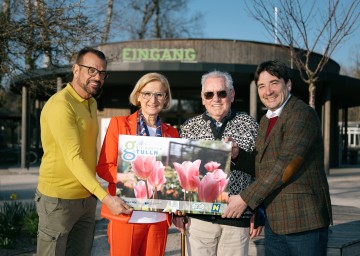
<point x="222" y="177"/>
<point x="143" y="166"/>
<point x="208" y="188"/>
<point x="187" y="171"/>
<point x="211" y="166"/>
<point x="211" y="185"/>
<point x="140" y="190"/>
<point x="157" y="177"/>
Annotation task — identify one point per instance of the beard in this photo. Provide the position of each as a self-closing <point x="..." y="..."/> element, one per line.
<point x="97" y="92"/>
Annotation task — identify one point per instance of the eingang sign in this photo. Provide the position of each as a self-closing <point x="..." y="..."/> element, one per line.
<point x="156" y="54"/>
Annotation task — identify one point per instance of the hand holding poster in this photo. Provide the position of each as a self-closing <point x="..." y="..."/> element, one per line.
<point x="169" y="174"/>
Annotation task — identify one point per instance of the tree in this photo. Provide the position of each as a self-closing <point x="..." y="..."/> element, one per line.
<point x="108" y="21"/>
<point x="144" y="19"/>
<point x="40" y="34"/>
<point x="43" y="34"/>
<point x="167" y="20"/>
<point x="305" y="29"/>
<point x="4" y="21"/>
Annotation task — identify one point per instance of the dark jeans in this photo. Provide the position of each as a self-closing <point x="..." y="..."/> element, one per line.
<point x="308" y="243"/>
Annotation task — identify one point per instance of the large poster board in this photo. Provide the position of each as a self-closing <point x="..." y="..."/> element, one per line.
<point x="169" y="174"/>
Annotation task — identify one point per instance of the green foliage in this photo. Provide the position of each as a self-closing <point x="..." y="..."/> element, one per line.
<point x="31" y="220"/>
<point x="11" y="216"/>
<point x="172" y="188"/>
<point x="15" y="217"/>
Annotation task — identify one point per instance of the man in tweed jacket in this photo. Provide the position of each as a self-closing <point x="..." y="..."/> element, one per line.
<point x="290" y="177"/>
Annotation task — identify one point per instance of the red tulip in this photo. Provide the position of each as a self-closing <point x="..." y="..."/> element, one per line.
<point x="143" y="166"/>
<point x="187" y="171"/>
<point x="157" y="177"/>
<point x="140" y="190"/>
<point x="211" y="166"/>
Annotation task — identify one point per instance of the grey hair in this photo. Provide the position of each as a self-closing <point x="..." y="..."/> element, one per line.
<point x="227" y="77"/>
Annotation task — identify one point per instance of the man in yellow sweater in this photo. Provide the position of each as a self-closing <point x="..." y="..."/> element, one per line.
<point x="67" y="191"/>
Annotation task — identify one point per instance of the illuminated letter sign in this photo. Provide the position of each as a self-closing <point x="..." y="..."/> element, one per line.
<point x="156" y="54"/>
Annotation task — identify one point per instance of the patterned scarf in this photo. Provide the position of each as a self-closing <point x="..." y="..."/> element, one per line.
<point x="142" y="130"/>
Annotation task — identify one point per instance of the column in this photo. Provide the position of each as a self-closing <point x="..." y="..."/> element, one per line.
<point x="327" y="127"/>
<point x="253" y="100"/>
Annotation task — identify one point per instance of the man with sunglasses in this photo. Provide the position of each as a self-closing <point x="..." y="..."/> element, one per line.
<point x="67" y="187"/>
<point x="208" y="234"/>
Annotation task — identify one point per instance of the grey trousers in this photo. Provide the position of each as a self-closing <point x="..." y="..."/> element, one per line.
<point x="66" y="226"/>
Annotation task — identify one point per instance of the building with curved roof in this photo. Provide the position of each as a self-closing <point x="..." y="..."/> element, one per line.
<point x="184" y="61"/>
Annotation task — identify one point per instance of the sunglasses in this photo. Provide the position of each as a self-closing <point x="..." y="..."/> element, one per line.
<point x="220" y="94"/>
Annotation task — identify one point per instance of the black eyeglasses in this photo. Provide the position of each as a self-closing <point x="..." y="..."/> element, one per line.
<point x="94" y="71"/>
<point x="220" y="94"/>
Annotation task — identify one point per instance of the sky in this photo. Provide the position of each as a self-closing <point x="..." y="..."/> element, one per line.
<point x="229" y="19"/>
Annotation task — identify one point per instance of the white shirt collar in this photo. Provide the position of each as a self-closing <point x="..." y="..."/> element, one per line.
<point x="270" y="114"/>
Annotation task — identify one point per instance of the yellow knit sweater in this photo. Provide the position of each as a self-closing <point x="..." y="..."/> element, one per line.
<point x="69" y="131"/>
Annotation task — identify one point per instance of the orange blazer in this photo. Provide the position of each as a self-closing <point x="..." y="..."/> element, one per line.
<point x="107" y="164"/>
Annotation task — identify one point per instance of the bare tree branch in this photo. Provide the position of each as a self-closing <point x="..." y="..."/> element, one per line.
<point x="44" y="34"/>
<point x="146" y="19"/>
<point x="305" y="29"/>
<point x="108" y="21"/>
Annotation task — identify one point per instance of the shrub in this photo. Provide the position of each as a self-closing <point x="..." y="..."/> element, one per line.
<point x="11" y="217"/>
<point x="15" y="217"/>
<point x="31" y="221"/>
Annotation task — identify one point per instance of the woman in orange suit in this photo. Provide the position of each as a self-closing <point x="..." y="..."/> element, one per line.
<point x="151" y="94"/>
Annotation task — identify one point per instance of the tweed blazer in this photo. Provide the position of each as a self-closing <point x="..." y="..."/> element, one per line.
<point x="290" y="178"/>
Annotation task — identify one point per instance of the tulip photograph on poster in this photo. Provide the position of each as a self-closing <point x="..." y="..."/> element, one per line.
<point x="169" y="174"/>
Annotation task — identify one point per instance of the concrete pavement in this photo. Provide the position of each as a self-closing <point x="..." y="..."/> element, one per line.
<point x="344" y="186"/>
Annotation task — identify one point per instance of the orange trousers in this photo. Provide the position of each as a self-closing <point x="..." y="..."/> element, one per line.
<point x="127" y="239"/>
